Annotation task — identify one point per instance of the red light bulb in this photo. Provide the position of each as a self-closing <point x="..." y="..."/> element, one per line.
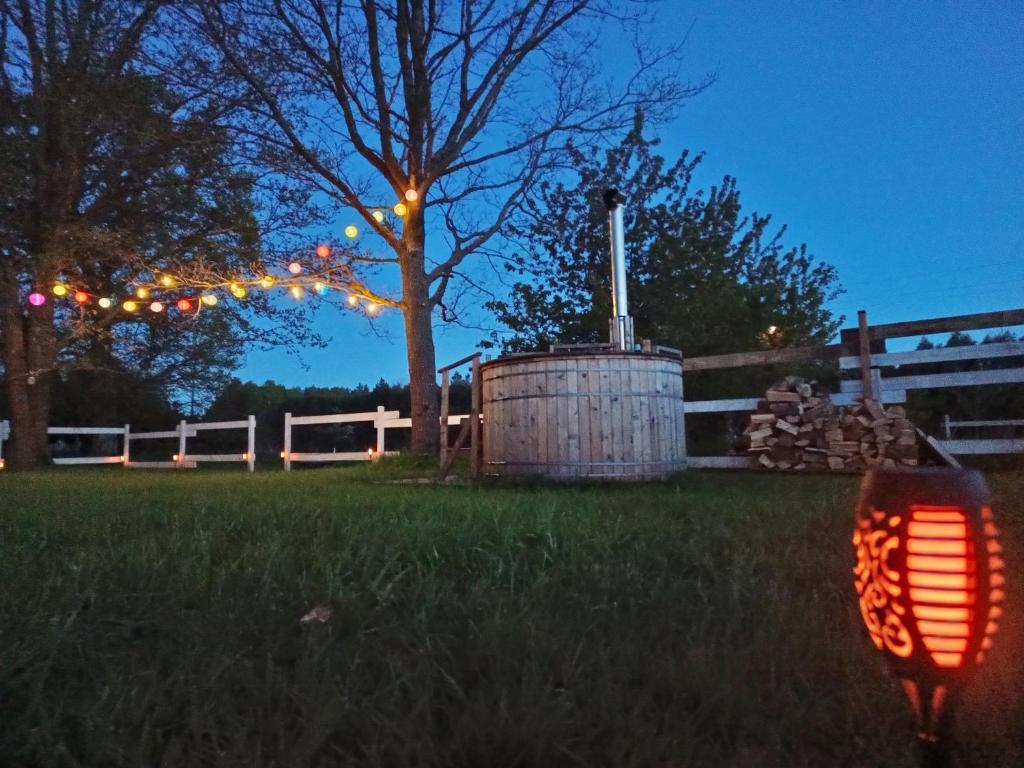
<point x="184" y="305"/>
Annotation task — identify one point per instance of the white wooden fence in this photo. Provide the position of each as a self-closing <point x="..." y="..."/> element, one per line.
<point x="180" y="460"/>
<point x="981" y="446"/>
<point x="382" y="421"/>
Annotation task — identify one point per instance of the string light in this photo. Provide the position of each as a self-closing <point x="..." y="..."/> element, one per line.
<point x="81" y="297"/>
<point x="130" y="306"/>
<point x="142" y="293"/>
<point x="167" y="281"/>
<point x="156" y="306"/>
<point x="106" y="303"/>
<point x="296" y="292"/>
<point x="323" y="250"/>
<point x="319" y="287"/>
<point x="400" y="209"/>
<point x="352" y="301"/>
<point x="378" y="216"/>
<point x="267" y="281"/>
<point x="209" y="299"/>
<point x="371" y="308"/>
<point x="351" y="231"/>
<point x="184" y="305"/>
<point x="36" y="299"/>
<point x="60" y="289"/>
<point x="295" y="268"/>
<point x="412" y="195"/>
<point x="238" y="291"/>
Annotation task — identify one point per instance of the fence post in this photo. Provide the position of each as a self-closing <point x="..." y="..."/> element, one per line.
<point x="864" y="342"/>
<point x="126" y="454"/>
<point x="474" y="415"/>
<point x="287" y="442"/>
<point x="251" y="453"/>
<point x="379" y="423"/>
<point x="444" y="416"/>
<point x="182" y="442"/>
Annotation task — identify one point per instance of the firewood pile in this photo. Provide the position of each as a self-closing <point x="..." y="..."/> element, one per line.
<point x="797" y="426"/>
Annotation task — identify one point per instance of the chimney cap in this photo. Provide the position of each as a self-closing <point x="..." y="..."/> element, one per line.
<point x="613" y="199"/>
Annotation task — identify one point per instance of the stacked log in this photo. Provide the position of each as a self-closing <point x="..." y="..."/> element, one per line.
<point x="796" y="426"/>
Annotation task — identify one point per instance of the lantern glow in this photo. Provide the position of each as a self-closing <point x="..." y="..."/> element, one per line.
<point x="928" y="575"/>
<point x="36" y="299"/>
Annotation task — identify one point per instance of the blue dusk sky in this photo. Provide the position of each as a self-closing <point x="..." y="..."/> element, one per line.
<point x="889" y="137"/>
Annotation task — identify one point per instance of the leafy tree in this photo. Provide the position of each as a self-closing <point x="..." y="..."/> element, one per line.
<point x="703" y="275"/>
<point x="455" y="110"/>
<point x="107" y="176"/>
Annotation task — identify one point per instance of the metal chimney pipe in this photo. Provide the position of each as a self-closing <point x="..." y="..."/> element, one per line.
<point x="621" y="323"/>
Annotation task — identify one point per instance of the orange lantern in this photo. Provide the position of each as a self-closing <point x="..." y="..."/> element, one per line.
<point x="930" y="581"/>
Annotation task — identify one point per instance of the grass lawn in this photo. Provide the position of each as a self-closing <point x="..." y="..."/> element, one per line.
<point x="152" y="619"/>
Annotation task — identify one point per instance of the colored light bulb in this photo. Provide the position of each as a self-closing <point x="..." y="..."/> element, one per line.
<point x="295" y="268"/>
<point x="378" y="216"/>
<point x="167" y="281"/>
<point x="156" y="306"/>
<point x="323" y="250"/>
<point x="296" y="292"/>
<point x="400" y="209"/>
<point x="142" y="293"/>
<point x="412" y="195"/>
<point x="105" y="303"/>
<point x="351" y="231"/>
<point x="184" y="305"/>
<point x="267" y="281"/>
<point x="238" y="291"/>
<point x="130" y="306"/>
<point x="209" y="299"/>
<point x="36" y="299"/>
<point x="81" y="297"/>
<point x="352" y="300"/>
<point x="60" y="290"/>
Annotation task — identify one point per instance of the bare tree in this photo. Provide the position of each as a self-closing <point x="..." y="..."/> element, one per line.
<point x="455" y="108"/>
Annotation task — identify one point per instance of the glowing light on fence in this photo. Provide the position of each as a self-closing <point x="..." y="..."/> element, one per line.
<point x="156" y="306"/>
<point x="60" y="290"/>
<point x="323" y="250"/>
<point x="184" y="305"/>
<point x="412" y="195"/>
<point x="400" y="209"/>
<point x="130" y="306"/>
<point x="36" y="299"/>
<point x="81" y="297"/>
<point x="209" y="299"/>
<point x="351" y="231"/>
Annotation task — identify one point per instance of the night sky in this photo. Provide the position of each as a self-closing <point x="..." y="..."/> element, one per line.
<point x="889" y="139"/>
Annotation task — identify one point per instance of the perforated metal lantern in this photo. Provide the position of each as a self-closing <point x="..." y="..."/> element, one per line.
<point x="929" y="576"/>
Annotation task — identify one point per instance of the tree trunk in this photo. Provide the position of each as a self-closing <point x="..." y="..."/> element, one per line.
<point x="28" y="352"/>
<point x="419" y="337"/>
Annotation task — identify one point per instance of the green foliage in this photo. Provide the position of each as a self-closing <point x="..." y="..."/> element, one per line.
<point x="153" y="619"/>
<point x="703" y="275"/>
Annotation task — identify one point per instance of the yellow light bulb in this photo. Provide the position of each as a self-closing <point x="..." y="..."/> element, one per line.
<point x="238" y="291"/>
<point x="167" y="281"/>
<point x="60" y="290"/>
<point x="352" y="301"/>
<point x="209" y="299"/>
<point x="371" y="308"/>
<point x="267" y="281"/>
<point x="412" y="195"/>
<point x="142" y="293"/>
<point x="378" y="216"/>
<point x="130" y="306"/>
<point x="351" y="231"/>
<point x="296" y="292"/>
<point x="400" y="209"/>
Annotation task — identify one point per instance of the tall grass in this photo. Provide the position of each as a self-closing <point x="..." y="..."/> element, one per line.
<point x="153" y="620"/>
